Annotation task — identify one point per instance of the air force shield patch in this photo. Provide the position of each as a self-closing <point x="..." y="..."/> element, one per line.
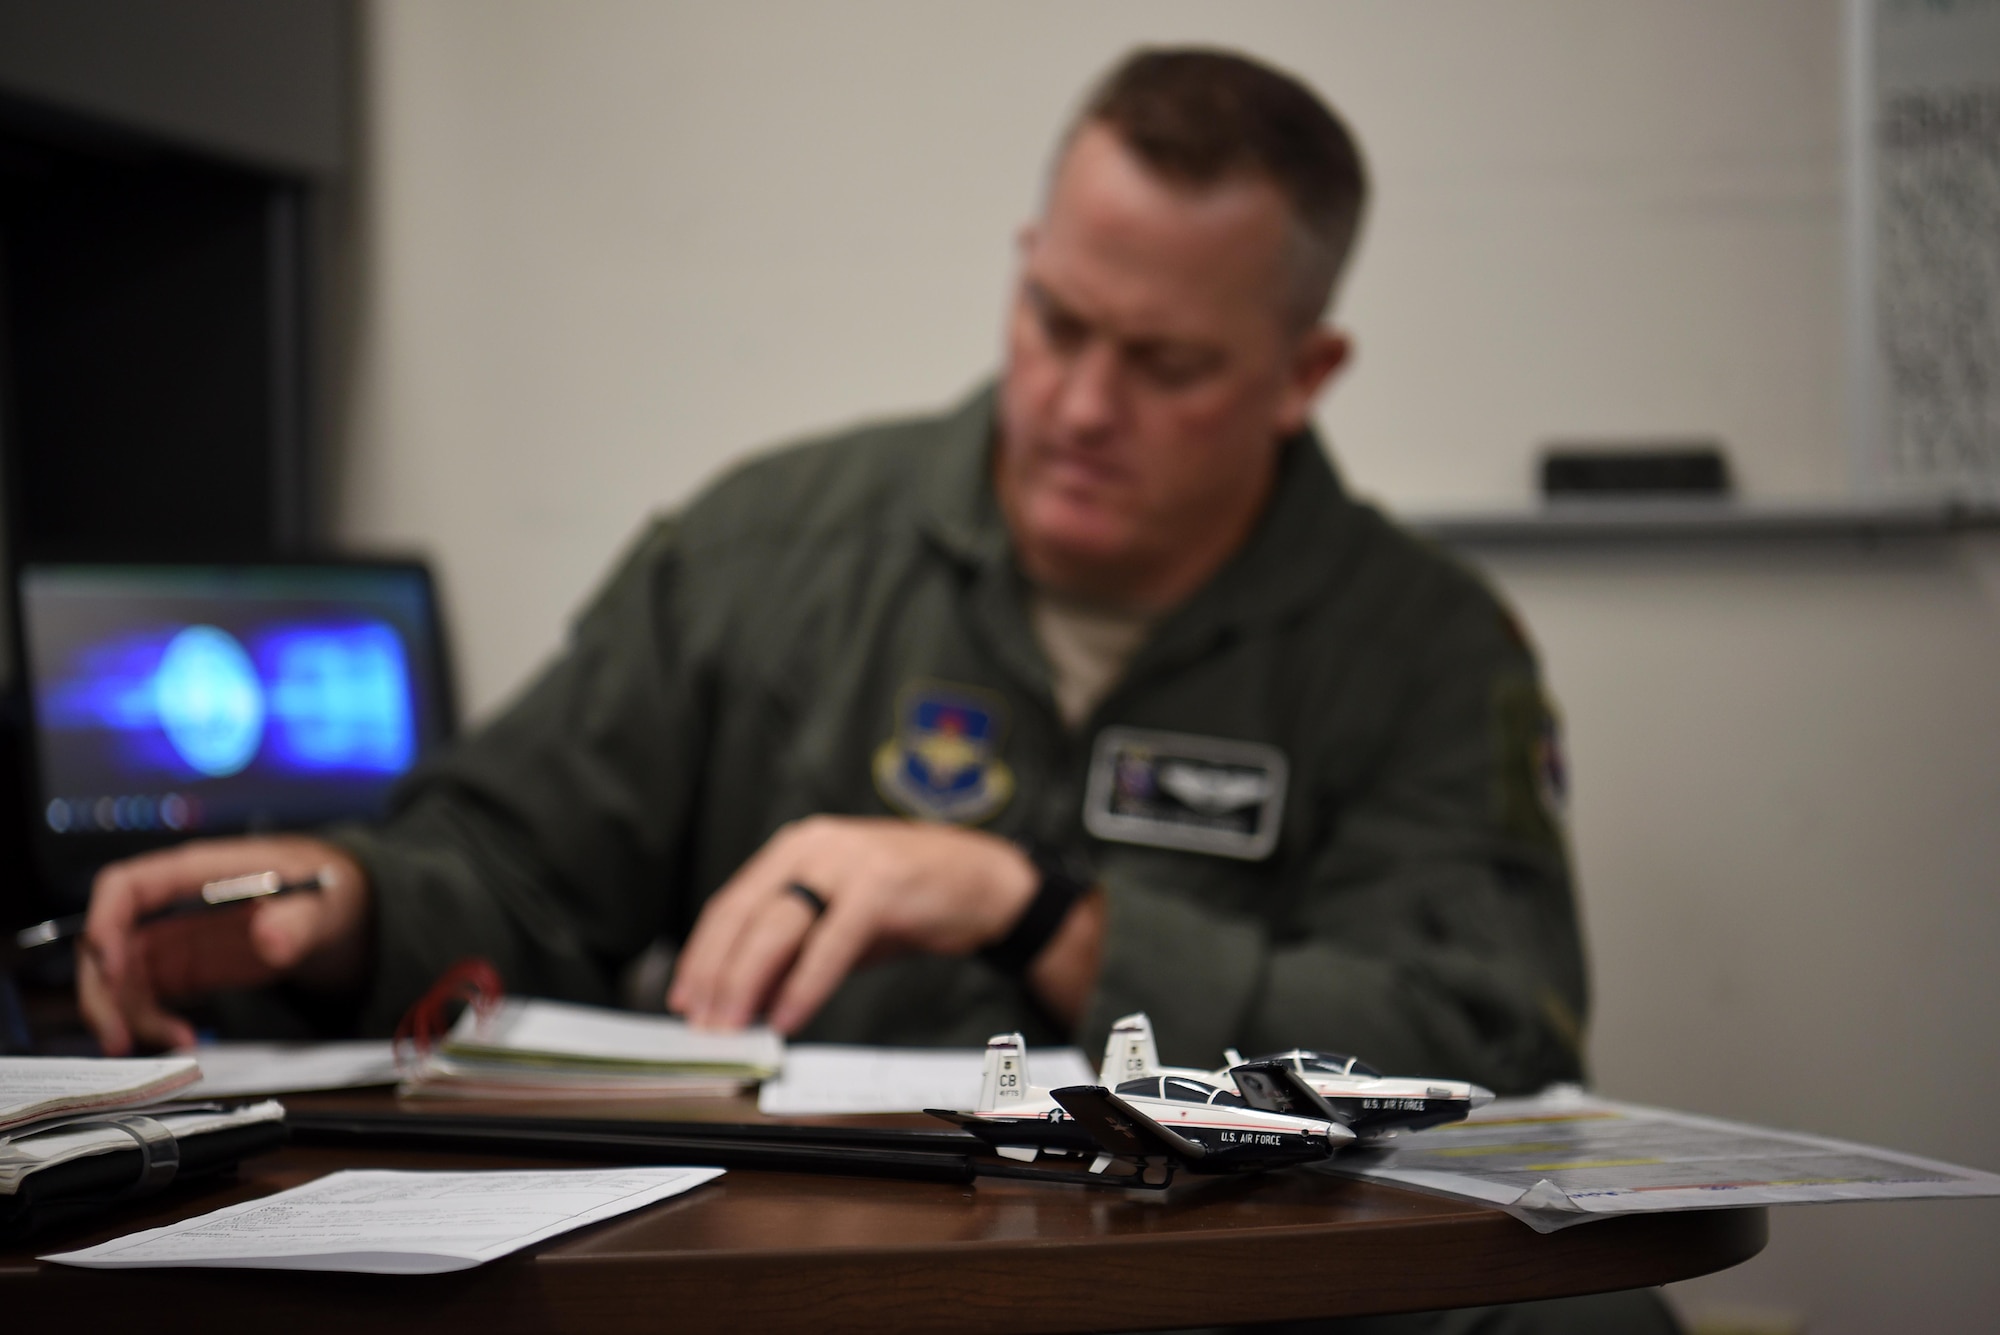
<point x="942" y="764"/>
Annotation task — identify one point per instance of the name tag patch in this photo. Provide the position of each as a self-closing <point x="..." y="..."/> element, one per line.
<point x="1173" y="790"/>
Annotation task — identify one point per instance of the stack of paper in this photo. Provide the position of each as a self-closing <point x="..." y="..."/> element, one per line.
<point x="37" y="1089"/>
<point x="549" y="1049"/>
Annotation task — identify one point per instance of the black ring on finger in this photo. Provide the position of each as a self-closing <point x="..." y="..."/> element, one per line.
<point x="814" y="900"/>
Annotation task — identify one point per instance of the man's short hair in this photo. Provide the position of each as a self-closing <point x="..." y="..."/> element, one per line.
<point x="1199" y="117"/>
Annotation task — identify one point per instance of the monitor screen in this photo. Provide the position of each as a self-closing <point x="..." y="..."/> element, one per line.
<point x="174" y="700"/>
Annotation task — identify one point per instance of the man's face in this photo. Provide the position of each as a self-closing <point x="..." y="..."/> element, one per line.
<point x="1151" y="372"/>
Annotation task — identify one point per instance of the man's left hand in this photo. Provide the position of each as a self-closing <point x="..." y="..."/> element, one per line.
<point x="889" y="886"/>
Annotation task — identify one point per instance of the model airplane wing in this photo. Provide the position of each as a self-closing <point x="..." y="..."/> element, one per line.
<point x="966" y="1120"/>
<point x="1120" y="1128"/>
<point x="1276" y="1087"/>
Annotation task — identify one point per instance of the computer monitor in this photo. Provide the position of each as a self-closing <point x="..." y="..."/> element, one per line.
<point x="176" y="700"/>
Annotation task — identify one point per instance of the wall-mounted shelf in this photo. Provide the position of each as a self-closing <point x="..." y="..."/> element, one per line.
<point x="1597" y="522"/>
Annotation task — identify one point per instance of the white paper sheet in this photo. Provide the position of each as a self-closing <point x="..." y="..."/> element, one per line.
<point x="821" y="1079"/>
<point x="1565" y="1157"/>
<point x="527" y="1029"/>
<point x="232" y="1070"/>
<point x="380" y="1222"/>
<point x="32" y="1088"/>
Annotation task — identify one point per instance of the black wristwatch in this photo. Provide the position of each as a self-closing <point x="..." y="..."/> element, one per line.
<point x="1065" y="878"/>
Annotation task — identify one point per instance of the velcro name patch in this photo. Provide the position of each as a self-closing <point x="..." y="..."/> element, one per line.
<point x="1176" y="790"/>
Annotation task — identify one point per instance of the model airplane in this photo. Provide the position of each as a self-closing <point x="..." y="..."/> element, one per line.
<point x="1141" y="1132"/>
<point x="1368" y="1103"/>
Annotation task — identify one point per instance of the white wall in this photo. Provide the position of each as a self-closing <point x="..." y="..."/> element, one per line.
<point x="1787" y="763"/>
<point x="611" y="246"/>
<point x="617" y="244"/>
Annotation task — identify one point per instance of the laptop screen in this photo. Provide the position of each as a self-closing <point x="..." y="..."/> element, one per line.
<point x="177" y="700"/>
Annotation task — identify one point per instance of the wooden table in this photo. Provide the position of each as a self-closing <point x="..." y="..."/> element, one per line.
<point x="765" y="1251"/>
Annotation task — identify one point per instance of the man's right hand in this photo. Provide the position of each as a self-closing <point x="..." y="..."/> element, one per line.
<point x="126" y="971"/>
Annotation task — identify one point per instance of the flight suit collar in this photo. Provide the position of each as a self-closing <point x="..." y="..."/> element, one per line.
<point x="961" y="516"/>
<point x="960" y="512"/>
<point x="1297" y="548"/>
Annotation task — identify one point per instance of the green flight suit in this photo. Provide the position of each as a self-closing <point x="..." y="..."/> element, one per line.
<point x="753" y="660"/>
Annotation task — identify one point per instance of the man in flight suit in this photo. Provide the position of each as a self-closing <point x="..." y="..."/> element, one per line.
<point x="1095" y="694"/>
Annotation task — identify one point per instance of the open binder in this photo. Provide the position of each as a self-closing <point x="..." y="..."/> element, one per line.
<point x="57" y="1172"/>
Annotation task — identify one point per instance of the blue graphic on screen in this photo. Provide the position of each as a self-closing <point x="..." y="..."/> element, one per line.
<point x="172" y="700"/>
<point x="208" y="700"/>
<point x="198" y="702"/>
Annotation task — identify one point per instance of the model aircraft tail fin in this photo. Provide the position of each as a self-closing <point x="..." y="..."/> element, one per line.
<point x="1122" y="1129"/>
<point x="1130" y="1053"/>
<point x="1276" y="1087"/>
<point x="1006" y="1079"/>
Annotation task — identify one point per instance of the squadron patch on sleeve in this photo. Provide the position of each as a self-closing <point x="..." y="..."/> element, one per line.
<point x="1172" y="790"/>
<point x="1531" y="792"/>
<point x="942" y="764"/>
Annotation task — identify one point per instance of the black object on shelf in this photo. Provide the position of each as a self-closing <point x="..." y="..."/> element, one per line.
<point x="1626" y="472"/>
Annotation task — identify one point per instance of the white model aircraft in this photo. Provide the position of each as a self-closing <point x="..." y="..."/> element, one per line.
<point x="1139" y="1133"/>
<point x="1368" y="1103"/>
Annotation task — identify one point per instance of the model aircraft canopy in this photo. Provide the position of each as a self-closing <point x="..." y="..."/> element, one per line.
<point x="1321" y="1063"/>
<point x="1181" y="1088"/>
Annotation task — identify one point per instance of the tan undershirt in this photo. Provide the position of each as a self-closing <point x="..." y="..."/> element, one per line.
<point x="1088" y="647"/>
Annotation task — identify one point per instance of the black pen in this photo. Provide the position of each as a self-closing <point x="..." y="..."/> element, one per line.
<point x="215" y="895"/>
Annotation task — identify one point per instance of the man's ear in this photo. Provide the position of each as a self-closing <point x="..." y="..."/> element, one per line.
<point x="1320" y="354"/>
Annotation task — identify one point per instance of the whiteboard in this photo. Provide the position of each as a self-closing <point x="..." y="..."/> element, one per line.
<point x="1925" y="130"/>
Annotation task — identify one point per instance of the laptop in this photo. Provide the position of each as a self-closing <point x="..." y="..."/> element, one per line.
<point x="173" y="701"/>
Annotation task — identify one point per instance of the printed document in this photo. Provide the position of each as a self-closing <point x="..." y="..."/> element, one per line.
<point x="1564" y="1157"/>
<point x="382" y="1222"/>
<point x="822" y="1079"/>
